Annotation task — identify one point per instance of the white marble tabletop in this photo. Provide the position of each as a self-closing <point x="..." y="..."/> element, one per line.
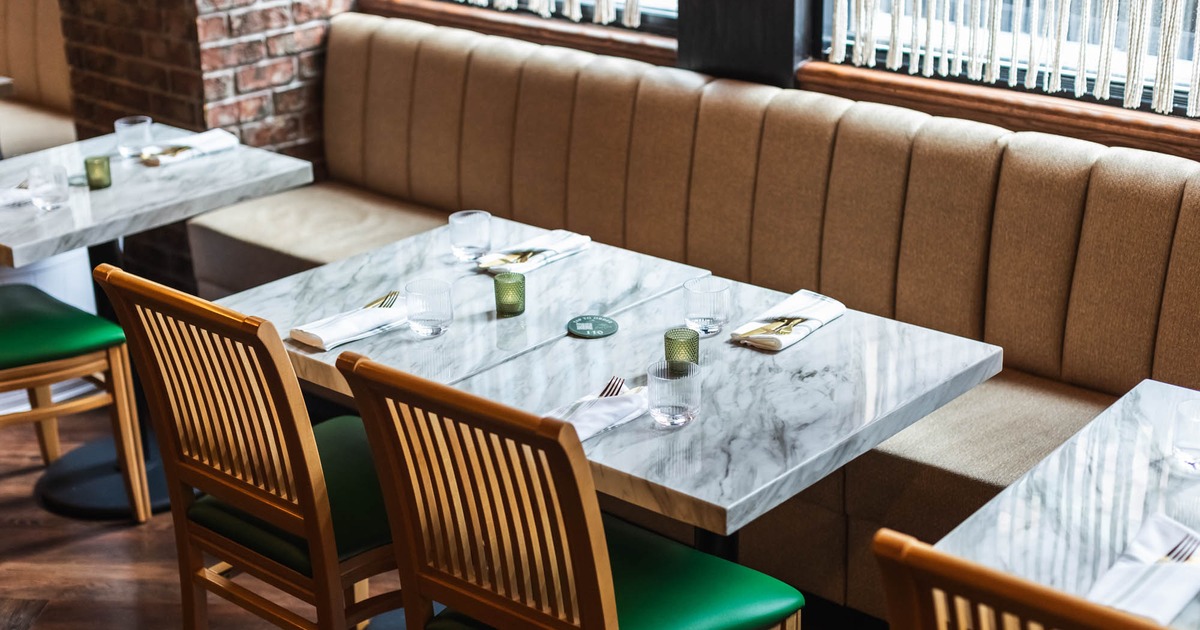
<point x="1068" y="519"/>
<point x="600" y="280"/>
<point x="139" y="199"/>
<point x="770" y="424"/>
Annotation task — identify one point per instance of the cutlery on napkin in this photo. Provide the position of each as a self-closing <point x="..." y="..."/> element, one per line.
<point x="1157" y="575"/>
<point x="535" y="252"/>
<point x="211" y="141"/>
<point x="789" y="321"/>
<point x="360" y="323"/>
<point x="593" y="415"/>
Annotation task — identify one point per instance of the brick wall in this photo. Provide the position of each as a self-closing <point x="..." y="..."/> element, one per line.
<point x="252" y="67"/>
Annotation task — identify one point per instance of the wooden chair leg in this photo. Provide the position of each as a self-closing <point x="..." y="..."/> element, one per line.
<point x="195" y="596"/>
<point x="47" y="430"/>
<point x="126" y="438"/>
<point x="358" y="593"/>
<point x="791" y="623"/>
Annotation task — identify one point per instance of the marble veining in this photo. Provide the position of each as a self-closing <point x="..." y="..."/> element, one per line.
<point x="770" y="425"/>
<point x="601" y="280"/>
<point x="1068" y="519"/>
<point x="140" y="198"/>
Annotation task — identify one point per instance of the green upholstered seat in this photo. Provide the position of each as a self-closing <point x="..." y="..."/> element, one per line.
<point x="35" y="328"/>
<point x="661" y="584"/>
<point x="359" y="518"/>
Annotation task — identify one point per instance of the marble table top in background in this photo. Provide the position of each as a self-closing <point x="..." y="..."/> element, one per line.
<point x="601" y="280"/>
<point x="1068" y="519"/>
<point x="140" y="198"/>
<point x="770" y="424"/>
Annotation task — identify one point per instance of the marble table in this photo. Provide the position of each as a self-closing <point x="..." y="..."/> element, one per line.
<point x="600" y="280"/>
<point x="1068" y="519"/>
<point x="140" y="198"/>
<point x="770" y="424"/>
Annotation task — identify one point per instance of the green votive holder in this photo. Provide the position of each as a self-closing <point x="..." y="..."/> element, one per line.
<point x="98" y="173"/>
<point x="510" y="294"/>
<point x="682" y="344"/>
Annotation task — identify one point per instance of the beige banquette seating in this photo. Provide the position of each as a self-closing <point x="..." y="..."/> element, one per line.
<point x="38" y="115"/>
<point x="1081" y="261"/>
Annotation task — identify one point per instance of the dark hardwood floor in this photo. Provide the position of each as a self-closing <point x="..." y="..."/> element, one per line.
<point x="58" y="573"/>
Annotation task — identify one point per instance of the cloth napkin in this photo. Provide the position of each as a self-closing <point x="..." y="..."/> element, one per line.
<point x="1138" y="583"/>
<point x="14" y="196"/>
<point x="211" y="141"/>
<point x="558" y="244"/>
<point x="336" y="330"/>
<point x="817" y="310"/>
<point x="593" y="416"/>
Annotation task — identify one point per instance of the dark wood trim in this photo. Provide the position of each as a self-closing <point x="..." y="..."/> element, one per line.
<point x="1018" y="111"/>
<point x="619" y="42"/>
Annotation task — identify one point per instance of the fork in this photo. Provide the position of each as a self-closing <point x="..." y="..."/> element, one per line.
<point x="613" y="388"/>
<point x="1182" y="552"/>
<point x="384" y="302"/>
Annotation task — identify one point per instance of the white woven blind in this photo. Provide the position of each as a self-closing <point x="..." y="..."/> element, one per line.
<point x="1140" y="44"/>
<point x="606" y="10"/>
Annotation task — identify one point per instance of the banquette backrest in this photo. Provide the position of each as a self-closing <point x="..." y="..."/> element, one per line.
<point x="32" y="52"/>
<point x="1081" y="261"/>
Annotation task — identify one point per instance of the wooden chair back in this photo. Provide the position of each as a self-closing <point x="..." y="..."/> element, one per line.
<point x="493" y="510"/>
<point x="930" y="590"/>
<point x="227" y="409"/>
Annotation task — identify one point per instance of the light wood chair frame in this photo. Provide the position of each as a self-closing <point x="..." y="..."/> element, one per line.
<point x="507" y="526"/>
<point x="927" y="589"/>
<point x="106" y="369"/>
<point x="199" y="361"/>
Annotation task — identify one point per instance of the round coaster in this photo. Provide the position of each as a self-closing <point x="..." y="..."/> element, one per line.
<point x="592" y="326"/>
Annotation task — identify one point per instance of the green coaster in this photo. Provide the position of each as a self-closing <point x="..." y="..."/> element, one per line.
<point x="592" y="326"/>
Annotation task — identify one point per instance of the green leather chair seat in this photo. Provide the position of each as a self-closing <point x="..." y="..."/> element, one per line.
<point x="359" y="517"/>
<point x="662" y="585"/>
<point x="36" y="328"/>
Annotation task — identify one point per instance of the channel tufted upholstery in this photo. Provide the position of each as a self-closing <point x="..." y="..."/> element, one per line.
<point x="1081" y="261"/>
<point x="32" y="53"/>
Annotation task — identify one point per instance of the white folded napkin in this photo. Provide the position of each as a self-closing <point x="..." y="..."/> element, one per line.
<point x="336" y="330"/>
<point x="14" y="197"/>
<point x="592" y="416"/>
<point x="1138" y="583"/>
<point x="211" y="141"/>
<point x="557" y="245"/>
<point x="816" y="309"/>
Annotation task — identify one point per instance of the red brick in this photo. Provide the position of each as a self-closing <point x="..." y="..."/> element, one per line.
<point x="299" y="40"/>
<point x="309" y="10"/>
<point x="122" y="40"/>
<point x="171" y="51"/>
<point x="230" y="55"/>
<point x="254" y="107"/>
<point x="276" y="130"/>
<point x="312" y="64"/>
<point x="218" y="86"/>
<point x="209" y="6"/>
<point x="297" y="99"/>
<point x="264" y="75"/>
<point x="187" y="84"/>
<point x="221" y="114"/>
<point x="258" y="21"/>
<point x="212" y="28"/>
<point x="179" y="25"/>
<point x="176" y="111"/>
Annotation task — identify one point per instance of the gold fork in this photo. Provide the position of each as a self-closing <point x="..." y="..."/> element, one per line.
<point x="512" y="258"/>
<point x="777" y="326"/>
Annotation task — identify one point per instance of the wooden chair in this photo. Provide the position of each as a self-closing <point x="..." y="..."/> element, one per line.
<point x="930" y="590"/>
<point x="293" y="505"/>
<point x="44" y="342"/>
<point x="494" y="514"/>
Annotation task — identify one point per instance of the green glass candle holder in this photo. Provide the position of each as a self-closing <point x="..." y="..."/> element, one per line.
<point x="99" y="175"/>
<point x="682" y="344"/>
<point x="510" y="294"/>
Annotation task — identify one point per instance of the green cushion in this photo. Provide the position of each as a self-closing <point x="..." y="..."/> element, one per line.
<point x="35" y="328"/>
<point x="359" y="516"/>
<point x="661" y="584"/>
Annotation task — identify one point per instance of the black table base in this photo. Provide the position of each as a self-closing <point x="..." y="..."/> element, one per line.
<point x="87" y="483"/>
<point x="716" y="544"/>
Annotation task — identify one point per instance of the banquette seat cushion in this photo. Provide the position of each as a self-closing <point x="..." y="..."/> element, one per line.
<point x="32" y="53"/>
<point x="1081" y="261"/>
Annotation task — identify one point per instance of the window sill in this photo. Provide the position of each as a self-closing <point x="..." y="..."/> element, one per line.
<point x="618" y="42"/>
<point x="1010" y="109"/>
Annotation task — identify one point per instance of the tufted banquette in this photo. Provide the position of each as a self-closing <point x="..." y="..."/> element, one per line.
<point x="38" y="115"/>
<point x="1081" y="261"/>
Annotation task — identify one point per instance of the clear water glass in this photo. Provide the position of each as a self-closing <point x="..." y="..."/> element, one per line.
<point x="673" y="388"/>
<point x="430" y="306"/>
<point x="706" y="306"/>
<point x="133" y="135"/>
<point x="48" y="187"/>
<point x="1186" y="442"/>
<point x="470" y="234"/>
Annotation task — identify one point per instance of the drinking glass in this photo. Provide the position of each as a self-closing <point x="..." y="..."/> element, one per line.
<point x="470" y="234"/>
<point x="48" y="188"/>
<point x="673" y="388"/>
<point x="430" y="307"/>
<point x="1186" y="444"/>
<point x="706" y="307"/>
<point x="133" y="135"/>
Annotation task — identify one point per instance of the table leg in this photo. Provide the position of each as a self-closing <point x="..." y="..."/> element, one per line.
<point x="718" y="545"/>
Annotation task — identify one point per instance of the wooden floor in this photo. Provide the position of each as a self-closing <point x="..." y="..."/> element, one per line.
<point x="58" y="573"/>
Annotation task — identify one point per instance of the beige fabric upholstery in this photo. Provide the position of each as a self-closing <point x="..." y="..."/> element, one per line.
<point x="26" y="128"/>
<point x="257" y="241"/>
<point x="1178" y="343"/>
<point x="32" y="52"/>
